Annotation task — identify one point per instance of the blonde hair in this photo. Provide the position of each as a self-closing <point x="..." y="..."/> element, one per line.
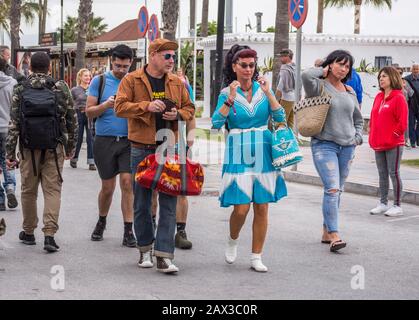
<point x="80" y="74"/>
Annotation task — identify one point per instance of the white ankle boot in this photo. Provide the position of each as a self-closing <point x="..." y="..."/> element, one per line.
<point x="231" y="250"/>
<point x="256" y="263"/>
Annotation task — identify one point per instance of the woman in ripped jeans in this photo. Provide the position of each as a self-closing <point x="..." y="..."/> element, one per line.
<point x="334" y="148"/>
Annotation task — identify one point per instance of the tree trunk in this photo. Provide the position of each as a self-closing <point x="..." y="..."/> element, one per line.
<point x="320" y="13"/>
<point x="192" y="4"/>
<point x="281" y="40"/>
<point x="43" y="10"/>
<point x="357" y="28"/>
<point x="204" y="22"/>
<point x="170" y="14"/>
<point x="14" y="16"/>
<point x="85" y="13"/>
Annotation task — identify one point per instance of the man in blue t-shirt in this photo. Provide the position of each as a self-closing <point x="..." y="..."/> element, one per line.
<point x="111" y="148"/>
<point x="355" y="83"/>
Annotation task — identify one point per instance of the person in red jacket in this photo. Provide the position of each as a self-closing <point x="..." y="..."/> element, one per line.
<point x="388" y="124"/>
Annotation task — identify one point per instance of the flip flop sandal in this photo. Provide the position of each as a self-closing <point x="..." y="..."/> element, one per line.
<point x="326" y="241"/>
<point x="337" y="245"/>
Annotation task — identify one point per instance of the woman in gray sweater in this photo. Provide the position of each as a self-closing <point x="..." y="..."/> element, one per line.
<point x="334" y="148"/>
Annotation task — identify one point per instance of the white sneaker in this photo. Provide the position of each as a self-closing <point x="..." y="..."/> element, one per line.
<point x="146" y="261"/>
<point x="165" y="265"/>
<point x="231" y="250"/>
<point x="394" y="211"/>
<point x="256" y="263"/>
<point x="380" y="209"/>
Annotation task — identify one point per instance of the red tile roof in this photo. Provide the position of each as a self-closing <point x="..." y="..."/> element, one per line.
<point x="126" y="31"/>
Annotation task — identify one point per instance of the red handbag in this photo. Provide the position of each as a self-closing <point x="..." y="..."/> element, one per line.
<point x="171" y="177"/>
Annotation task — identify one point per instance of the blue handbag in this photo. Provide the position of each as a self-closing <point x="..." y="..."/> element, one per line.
<point x="285" y="149"/>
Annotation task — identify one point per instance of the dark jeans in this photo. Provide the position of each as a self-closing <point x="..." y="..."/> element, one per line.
<point x="9" y="175"/>
<point x="413" y="127"/>
<point x="83" y="124"/>
<point x="143" y="224"/>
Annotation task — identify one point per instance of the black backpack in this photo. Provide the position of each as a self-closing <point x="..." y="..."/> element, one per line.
<point x="39" y="120"/>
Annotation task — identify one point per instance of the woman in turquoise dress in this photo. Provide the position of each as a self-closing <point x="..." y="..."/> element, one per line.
<point x="248" y="176"/>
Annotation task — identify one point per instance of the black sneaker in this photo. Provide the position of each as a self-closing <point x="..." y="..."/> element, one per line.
<point x="97" y="234"/>
<point x="2" y="206"/>
<point x="181" y="240"/>
<point x="50" y="245"/>
<point x="28" y="239"/>
<point x="11" y="199"/>
<point x="129" y="240"/>
<point x="92" y="167"/>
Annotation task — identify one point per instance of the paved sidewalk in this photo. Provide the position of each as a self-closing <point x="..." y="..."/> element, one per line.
<point x="363" y="177"/>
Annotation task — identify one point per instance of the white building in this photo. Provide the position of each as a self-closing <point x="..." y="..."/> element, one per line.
<point x="376" y="50"/>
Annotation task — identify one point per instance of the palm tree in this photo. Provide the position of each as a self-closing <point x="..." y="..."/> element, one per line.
<point x="43" y="11"/>
<point x="70" y="29"/>
<point x="85" y="13"/>
<point x="170" y="12"/>
<point x="281" y="39"/>
<point x="192" y="6"/>
<point x="320" y="13"/>
<point x="14" y="17"/>
<point x="28" y="11"/>
<point x="95" y="28"/>
<point x="204" y="21"/>
<point x="357" y="4"/>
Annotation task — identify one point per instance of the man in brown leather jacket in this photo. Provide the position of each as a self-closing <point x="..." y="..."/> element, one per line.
<point x="140" y="99"/>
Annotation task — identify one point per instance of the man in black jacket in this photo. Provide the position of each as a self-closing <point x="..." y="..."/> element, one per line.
<point x="413" y="80"/>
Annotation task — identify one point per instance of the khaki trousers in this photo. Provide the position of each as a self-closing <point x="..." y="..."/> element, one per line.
<point x="51" y="187"/>
<point x="288" y="105"/>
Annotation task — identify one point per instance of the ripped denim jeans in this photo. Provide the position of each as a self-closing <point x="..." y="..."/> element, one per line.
<point x="332" y="162"/>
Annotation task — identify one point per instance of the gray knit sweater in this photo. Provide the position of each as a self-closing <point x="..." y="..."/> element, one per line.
<point x="344" y="122"/>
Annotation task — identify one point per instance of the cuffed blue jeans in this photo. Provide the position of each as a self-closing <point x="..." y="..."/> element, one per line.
<point x="332" y="162"/>
<point x="143" y="224"/>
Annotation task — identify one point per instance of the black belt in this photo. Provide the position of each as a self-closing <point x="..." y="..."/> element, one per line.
<point x="117" y="138"/>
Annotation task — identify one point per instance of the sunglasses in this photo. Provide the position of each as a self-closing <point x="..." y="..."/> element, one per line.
<point x="167" y="56"/>
<point x="244" y="65"/>
<point x="121" y="66"/>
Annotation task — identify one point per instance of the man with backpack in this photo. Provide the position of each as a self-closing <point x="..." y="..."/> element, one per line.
<point x="111" y="148"/>
<point x="44" y="122"/>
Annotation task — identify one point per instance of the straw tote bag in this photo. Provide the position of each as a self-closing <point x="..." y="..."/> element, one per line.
<point x="311" y="113"/>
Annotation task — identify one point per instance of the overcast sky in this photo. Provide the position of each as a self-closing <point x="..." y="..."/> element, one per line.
<point x="401" y="20"/>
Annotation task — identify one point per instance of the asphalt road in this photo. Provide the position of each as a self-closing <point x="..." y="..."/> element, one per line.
<point x="382" y="253"/>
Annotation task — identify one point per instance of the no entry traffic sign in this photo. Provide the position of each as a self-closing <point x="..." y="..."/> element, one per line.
<point x="142" y="22"/>
<point x="297" y="12"/>
<point x="153" y="28"/>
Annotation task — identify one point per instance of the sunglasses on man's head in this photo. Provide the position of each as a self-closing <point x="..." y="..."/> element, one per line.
<point x="245" y="65"/>
<point x="167" y="56"/>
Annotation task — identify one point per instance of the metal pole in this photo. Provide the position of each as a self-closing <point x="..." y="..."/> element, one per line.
<point x="194" y="55"/>
<point x="229" y="16"/>
<point x="219" y="54"/>
<point x="145" y="38"/>
<point x="62" y="42"/>
<point x="179" y="41"/>
<point x="298" y="79"/>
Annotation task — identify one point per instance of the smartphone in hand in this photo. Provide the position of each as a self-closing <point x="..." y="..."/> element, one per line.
<point x="170" y="104"/>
